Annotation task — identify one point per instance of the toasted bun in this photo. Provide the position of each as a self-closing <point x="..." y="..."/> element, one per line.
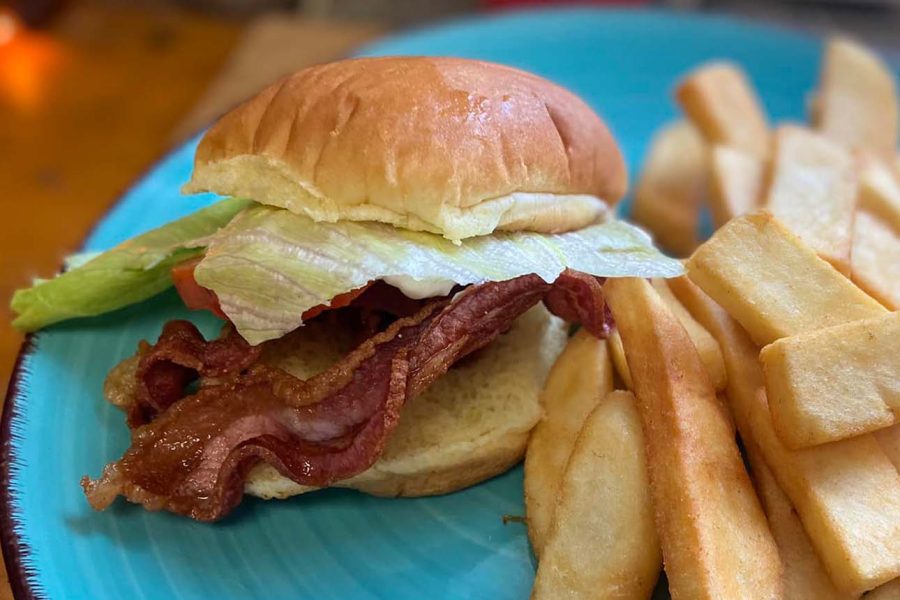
<point x="471" y="424"/>
<point x="452" y="146"/>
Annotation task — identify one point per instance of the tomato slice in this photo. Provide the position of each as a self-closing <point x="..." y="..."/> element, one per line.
<point x="194" y="295"/>
<point x="197" y="297"/>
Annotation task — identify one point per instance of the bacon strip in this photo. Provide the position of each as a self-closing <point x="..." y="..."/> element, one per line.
<point x="179" y="357"/>
<point x="193" y="458"/>
<point x="578" y="298"/>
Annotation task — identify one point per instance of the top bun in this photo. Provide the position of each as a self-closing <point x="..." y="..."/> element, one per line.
<point x="452" y="146"/>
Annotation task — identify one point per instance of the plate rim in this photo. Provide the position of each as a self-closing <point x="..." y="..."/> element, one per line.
<point x="21" y="579"/>
<point x="14" y="550"/>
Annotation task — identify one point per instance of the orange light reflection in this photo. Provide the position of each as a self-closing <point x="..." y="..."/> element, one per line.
<point x="28" y="61"/>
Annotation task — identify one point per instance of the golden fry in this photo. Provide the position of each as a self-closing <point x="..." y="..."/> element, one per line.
<point x="804" y="575"/>
<point x="720" y="101"/>
<point x="579" y="379"/>
<point x="889" y="440"/>
<point x="737" y="181"/>
<point x="888" y="591"/>
<point x="706" y="345"/>
<point x="722" y="327"/>
<point x="713" y="533"/>
<point x="879" y="190"/>
<point x="773" y="284"/>
<point x="875" y="259"/>
<point x="603" y="541"/>
<point x="858" y="98"/>
<point x="617" y="352"/>
<point x="672" y="186"/>
<point x="847" y="493"/>
<point x="813" y="192"/>
<point x="834" y="383"/>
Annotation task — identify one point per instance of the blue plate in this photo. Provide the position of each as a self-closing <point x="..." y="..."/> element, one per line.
<point x="335" y="544"/>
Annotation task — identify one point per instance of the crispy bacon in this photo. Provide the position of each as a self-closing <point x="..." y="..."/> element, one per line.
<point x="578" y="298"/>
<point x="179" y="357"/>
<point x="192" y="459"/>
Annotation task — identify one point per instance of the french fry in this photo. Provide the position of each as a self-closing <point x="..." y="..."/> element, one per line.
<point x="714" y="536"/>
<point x="617" y="352"/>
<point x="720" y="101"/>
<point x="834" y="383"/>
<point x="724" y="329"/>
<point x="888" y="591"/>
<point x="736" y="183"/>
<point x="672" y="186"/>
<point x="879" y="190"/>
<point x="847" y="493"/>
<point x="813" y="192"/>
<point x="578" y="380"/>
<point x="804" y="574"/>
<point x="889" y="440"/>
<point x="875" y="259"/>
<point x="706" y="345"/>
<point x="858" y="98"/>
<point x="603" y="541"/>
<point x="773" y="284"/>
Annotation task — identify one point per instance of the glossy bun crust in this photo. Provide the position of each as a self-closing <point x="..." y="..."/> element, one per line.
<point x="456" y="147"/>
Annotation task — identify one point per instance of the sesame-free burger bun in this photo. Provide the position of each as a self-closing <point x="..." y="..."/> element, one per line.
<point x="452" y="146"/>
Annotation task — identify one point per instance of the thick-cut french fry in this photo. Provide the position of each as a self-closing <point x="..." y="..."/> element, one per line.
<point x="888" y="591"/>
<point x="672" y="186"/>
<point x="579" y="379"/>
<point x="804" y="575"/>
<point x="858" y="98"/>
<point x="603" y="541"/>
<point x="889" y="440"/>
<point x="719" y="99"/>
<point x="772" y="283"/>
<point x="879" y="190"/>
<point x="846" y="493"/>
<point x="722" y="327"/>
<point x="813" y="192"/>
<point x="834" y="383"/>
<point x="714" y="536"/>
<point x="706" y="345"/>
<point x="617" y="352"/>
<point x="875" y="259"/>
<point x="736" y="183"/>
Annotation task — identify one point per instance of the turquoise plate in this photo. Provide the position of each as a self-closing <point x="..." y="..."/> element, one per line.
<point x="335" y="544"/>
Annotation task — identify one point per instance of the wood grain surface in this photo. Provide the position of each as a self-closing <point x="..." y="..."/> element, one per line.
<point x="89" y="103"/>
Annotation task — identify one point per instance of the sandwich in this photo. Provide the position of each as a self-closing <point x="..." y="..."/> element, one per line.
<point x="400" y="248"/>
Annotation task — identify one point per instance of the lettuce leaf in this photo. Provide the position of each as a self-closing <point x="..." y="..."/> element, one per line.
<point x="269" y="265"/>
<point x="132" y="271"/>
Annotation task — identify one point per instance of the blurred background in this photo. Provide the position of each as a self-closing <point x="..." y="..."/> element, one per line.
<point x="92" y="92"/>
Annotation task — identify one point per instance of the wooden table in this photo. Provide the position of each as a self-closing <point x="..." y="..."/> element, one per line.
<point x="88" y="104"/>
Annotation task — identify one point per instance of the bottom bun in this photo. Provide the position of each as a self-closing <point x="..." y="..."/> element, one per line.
<point x="471" y="424"/>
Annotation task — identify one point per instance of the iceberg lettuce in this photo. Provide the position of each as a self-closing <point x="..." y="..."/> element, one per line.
<point x="269" y="265"/>
<point x="132" y="271"/>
